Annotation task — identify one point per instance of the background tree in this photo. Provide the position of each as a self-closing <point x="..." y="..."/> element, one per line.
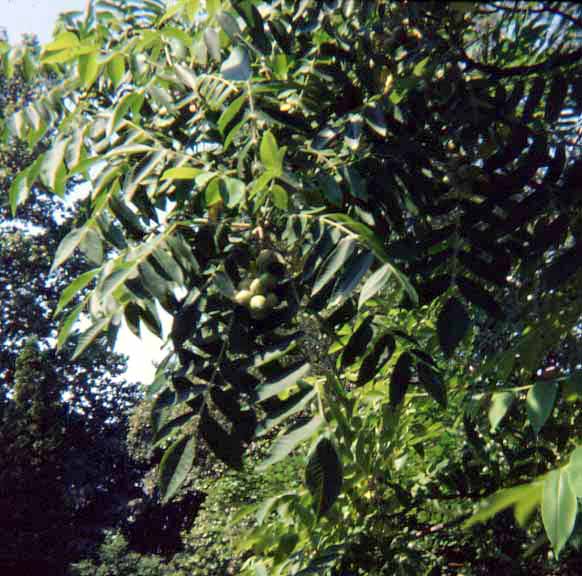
<point x="66" y="471"/>
<point x="252" y="166"/>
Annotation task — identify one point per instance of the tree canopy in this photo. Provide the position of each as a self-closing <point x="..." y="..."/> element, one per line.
<point x="364" y="219"/>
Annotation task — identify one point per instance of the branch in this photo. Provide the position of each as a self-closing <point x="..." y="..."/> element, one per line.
<point x="550" y="64"/>
<point x="576" y="21"/>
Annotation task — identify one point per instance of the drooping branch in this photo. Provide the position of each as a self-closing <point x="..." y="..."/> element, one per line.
<point x="547" y="8"/>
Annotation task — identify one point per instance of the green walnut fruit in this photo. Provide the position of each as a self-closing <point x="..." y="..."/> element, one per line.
<point x="244" y="284"/>
<point x="243" y="297"/>
<point x="258" y="302"/>
<point x="257" y="287"/>
<point x="258" y="307"/>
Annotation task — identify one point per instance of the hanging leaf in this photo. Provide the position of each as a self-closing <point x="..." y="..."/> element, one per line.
<point x="224" y="285"/>
<point x="68" y="325"/>
<point x="375" y="360"/>
<point x="323" y="475"/>
<point x="540" y="403"/>
<point x="231" y="112"/>
<point x="131" y="313"/>
<point x="74" y="288"/>
<point x="92" y="246"/>
<point x="66" y="248"/>
<point x="229" y="24"/>
<point x="271" y="155"/>
<point x="172" y="426"/>
<point x="374" y="284"/>
<point x="88" y="68"/>
<point x="237" y="67"/>
<point x="286" y="443"/>
<point x="175" y="466"/>
<point x="559" y="508"/>
<point x="333" y="263"/>
<point x="432" y="383"/>
<point x="355" y="269"/>
<point x="116" y="69"/>
<point x="291" y="405"/>
<point x="290" y="377"/>
<point x="452" y="325"/>
<point x="89" y="335"/>
<point x="212" y="43"/>
<point x="18" y="191"/>
<point x="400" y="379"/>
<point x="500" y="404"/>
<point x="227" y="447"/>
<point x="525" y="496"/>
<point x="166" y="266"/>
<point x="357" y="343"/>
<point x="280" y="197"/>
<point x="52" y="169"/>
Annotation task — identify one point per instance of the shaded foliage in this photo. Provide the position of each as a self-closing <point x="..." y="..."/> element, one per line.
<point x="428" y="151"/>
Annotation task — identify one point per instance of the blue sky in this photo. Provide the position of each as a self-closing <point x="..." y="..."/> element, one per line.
<point x="38" y="16"/>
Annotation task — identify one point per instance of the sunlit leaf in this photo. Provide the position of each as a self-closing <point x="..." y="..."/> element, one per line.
<point x="237" y="67"/>
<point x="559" y="508"/>
<point x="333" y="263"/>
<point x="287" y="442"/>
<point x="283" y="381"/>
<point x="74" y="288"/>
<point x="500" y="404"/>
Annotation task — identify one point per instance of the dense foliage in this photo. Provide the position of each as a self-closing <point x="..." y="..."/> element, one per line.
<point x="364" y="218"/>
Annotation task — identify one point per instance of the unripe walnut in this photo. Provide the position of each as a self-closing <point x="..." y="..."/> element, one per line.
<point x="243" y="297"/>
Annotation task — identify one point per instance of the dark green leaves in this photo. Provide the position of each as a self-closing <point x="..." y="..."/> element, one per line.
<point x="255" y="24"/>
<point x="377" y="358"/>
<point x="480" y="297"/>
<point x="355" y="269"/>
<point x="283" y="381"/>
<point x="226" y="446"/>
<point x="292" y="405"/>
<point x="540" y="402"/>
<point x="357" y="343"/>
<point x="175" y="465"/>
<point x="432" y="383"/>
<point x="452" y="325"/>
<point x="334" y="262"/>
<point x="400" y="379"/>
<point x="556" y="97"/>
<point x="323" y="475"/>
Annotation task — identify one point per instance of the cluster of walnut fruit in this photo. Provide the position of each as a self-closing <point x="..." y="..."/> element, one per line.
<point x="257" y="291"/>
